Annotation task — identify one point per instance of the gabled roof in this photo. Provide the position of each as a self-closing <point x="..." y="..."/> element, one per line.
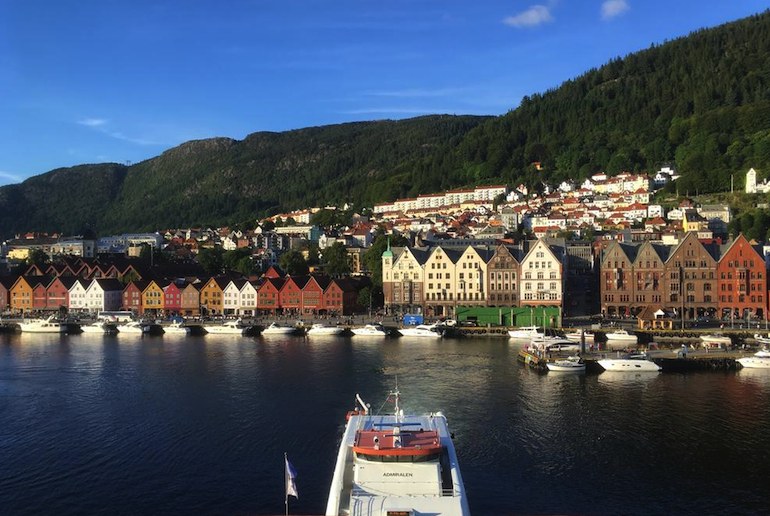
<point x="109" y="284"/>
<point x="300" y="281"/>
<point x="8" y="281"/>
<point x="68" y="281"/>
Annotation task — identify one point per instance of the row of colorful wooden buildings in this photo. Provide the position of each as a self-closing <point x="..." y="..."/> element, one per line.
<point x="220" y="295"/>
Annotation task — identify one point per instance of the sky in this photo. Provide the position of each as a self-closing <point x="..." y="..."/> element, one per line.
<point x="93" y="81"/>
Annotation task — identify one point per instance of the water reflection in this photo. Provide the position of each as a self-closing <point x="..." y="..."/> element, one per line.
<point x="624" y="379"/>
<point x="756" y="376"/>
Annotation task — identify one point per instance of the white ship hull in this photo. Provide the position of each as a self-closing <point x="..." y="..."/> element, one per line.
<point x="422" y="331"/>
<point x="370" y="330"/>
<point x="364" y="483"/>
<point x="630" y="365"/>
<point x="317" y="330"/>
<point x="42" y="326"/>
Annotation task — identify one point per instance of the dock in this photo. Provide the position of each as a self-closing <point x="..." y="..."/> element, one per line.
<point x="695" y="361"/>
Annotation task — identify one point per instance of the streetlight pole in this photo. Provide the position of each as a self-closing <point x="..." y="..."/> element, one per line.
<point x="681" y="291"/>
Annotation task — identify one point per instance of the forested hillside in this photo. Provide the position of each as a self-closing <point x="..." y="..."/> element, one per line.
<point x="700" y="102"/>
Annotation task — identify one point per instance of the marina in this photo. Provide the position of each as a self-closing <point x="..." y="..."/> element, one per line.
<point x="200" y="425"/>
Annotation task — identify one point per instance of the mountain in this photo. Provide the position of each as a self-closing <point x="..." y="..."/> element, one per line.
<point x="701" y="102"/>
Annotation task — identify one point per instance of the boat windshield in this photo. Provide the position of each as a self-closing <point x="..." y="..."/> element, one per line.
<point x="399" y="458"/>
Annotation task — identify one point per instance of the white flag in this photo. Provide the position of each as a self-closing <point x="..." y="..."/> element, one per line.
<point x="291" y="475"/>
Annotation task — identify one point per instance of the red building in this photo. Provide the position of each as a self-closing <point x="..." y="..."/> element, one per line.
<point x="290" y="295"/>
<point x="313" y="295"/>
<point x="132" y="296"/>
<point x="6" y="283"/>
<point x="742" y="281"/>
<point x="172" y="299"/>
<point x="59" y="292"/>
<point x="268" y="294"/>
<point x="39" y="286"/>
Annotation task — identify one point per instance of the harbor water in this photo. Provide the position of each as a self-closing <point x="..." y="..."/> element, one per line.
<point x="93" y="424"/>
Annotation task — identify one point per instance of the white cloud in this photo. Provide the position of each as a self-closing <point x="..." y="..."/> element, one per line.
<point x="535" y="15"/>
<point x="102" y="125"/>
<point x="396" y="111"/>
<point x="92" y="122"/>
<point x="413" y="93"/>
<point x="9" y="177"/>
<point x="613" y="8"/>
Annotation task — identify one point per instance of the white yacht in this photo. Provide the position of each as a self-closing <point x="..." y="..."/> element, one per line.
<point x="575" y="336"/>
<point x="133" y="327"/>
<point x="49" y="325"/>
<point x="761" y="339"/>
<point x="715" y="340"/>
<point x="232" y="327"/>
<point x="279" y="329"/>
<point x="102" y="327"/>
<point x="323" y="329"/>
<point x="370" y="330"/>
<point x="396" y="464"/>
<point x="620" y="338"/>
<point x="759" y="360"/>
<point x="573" y="364"/>
<point x="430" y="331"/>
<point x="526" y="332"/>
<point x="639" y="363"/>
<point x="176" y="328"/>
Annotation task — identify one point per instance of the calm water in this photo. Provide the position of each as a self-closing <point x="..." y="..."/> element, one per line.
<point x="198" y="425"/>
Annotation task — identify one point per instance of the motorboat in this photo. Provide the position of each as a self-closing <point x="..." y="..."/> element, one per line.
<point x="49" y="325"/>
<point x="715" y="340"/>
<point x="99" y="327"/>
<point x="634" y="363"/>
<point x="396" y="464"/>
<point x="761" y="339"/>
<point x="324" y="329"/>
<point x="759" y="360"/>
<point x="620" y="337"/>
<point x="370" y="330"/>
<point x="176" y="328"/>
<point x="231" y="327"/>
<point x="577" y="336"/>
<point x="133" y="327"/>
<point x="279" y="329"/>
<point x="572" y="364"/>
<point x="557" y="345"/>
<point x="430" y="331"/>
<point x="526" y="332"/>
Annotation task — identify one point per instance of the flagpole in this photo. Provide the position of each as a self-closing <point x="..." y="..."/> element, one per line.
<point x="285" y="482"/>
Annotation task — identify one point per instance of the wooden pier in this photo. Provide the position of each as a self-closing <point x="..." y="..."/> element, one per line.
<point x="695" y="361"/>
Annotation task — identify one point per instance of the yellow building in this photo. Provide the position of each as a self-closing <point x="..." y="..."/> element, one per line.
<point x="212" y="296"/>
<point x="152" y="298"/>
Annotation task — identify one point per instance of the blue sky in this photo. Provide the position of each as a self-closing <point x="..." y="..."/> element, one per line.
<point x="91" y="81"/>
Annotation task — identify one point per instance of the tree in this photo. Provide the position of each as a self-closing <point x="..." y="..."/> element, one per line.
<point x="335" y="258"/>
<point x="231" y="259"/>
<point x="293" y="263"/>
<point x="37" y="257"/>
<point x="373" y="256"/>
<point x="211" y="259"/>
<point x="365" y="298"/>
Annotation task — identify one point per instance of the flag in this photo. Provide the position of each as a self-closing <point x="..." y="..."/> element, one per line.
<point x="291" y="475"/>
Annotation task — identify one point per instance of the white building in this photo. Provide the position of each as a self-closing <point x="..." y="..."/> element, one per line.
<point x="102" y="294"/>
<point x="541" y="276"/>
<point x="77" y="294"/>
